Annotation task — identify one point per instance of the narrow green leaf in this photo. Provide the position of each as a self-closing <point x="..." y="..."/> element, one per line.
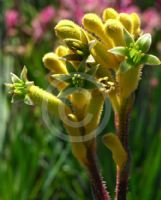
<point x="82" y="66"/>
<point x="91" y="84"/>
<point x="23" y="75"/>
<point x="121" y="51"/>
<point x="128" y="37"/>
<point x="28" y="101"/>
<point x="16" y="98"/>
<point x="67" y="91"/>
<point x="144" y="42"/>
<point x="93" y="70"/>
<point x="70" y="67"/>
<point x="62" y="77"/>
<point x="14" y="78"/>
<point x="150" y="60"/>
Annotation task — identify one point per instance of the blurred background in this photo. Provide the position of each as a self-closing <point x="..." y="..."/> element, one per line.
<point x="37" y="165"/>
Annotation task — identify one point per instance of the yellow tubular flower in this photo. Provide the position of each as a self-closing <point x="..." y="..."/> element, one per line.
<point x="93" y="24"/>
<point x="53" y="104"/>
<point x="118" y="152"/>
<point x="109" y="13"/>
<point x="135" y="24"/>
<point x="95" y="108"/>
<point x="128" y="82"/>
<point x="103" y="57"/>
<point x="126" y="20"/>
<point x="80" y="99"/>
<point x="61" y="50"/>
<point x="115" y="30"/>
<point x="78" y="148"/>
<point x="54" y="64"/>
<point x="68" y="29"/>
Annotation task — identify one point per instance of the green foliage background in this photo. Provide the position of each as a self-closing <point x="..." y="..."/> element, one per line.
<point x="37" y="165"/>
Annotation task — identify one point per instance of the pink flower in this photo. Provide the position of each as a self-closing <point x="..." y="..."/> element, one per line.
<point x="130" y="9"/>
<point x="151" y="20"/>
<point x="38" y="31"/>
<point x="77" y="8"/>
<point x="41" y="21"/>
<point x="126" y="3"/>
<point x="11" y="18"/>
<point x="47" y="15"/>
<point x="78" y="15"/>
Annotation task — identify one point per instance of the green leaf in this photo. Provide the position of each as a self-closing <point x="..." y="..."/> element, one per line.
<point x="93" y="70"/>
<point x="128" y="37"/>
<point x="67" y="91"/>
<point x="124" y="67"/>
<point x="91" y="84"/>
<point x="70" y="67"/>
<point x="23" y="75"/>
<point x="62" y="77"/>
<point x="28" y="101"/>
<point x="144" y="42"/>
<point x="121" y="51"/>
<point x="150" y="60"/>
<point x="14" y="78"/>
<point x="16" y="98"/>
<point x="82" y="66"/>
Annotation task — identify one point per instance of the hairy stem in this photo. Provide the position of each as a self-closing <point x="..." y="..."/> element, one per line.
<point x="121" y="124"/>
<point x="99" y="188"/>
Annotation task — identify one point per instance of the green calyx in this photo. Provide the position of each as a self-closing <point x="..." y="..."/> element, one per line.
<point x="135" y="52"/>
<point x="77" y="78"/>
<point x="19" y="87"/>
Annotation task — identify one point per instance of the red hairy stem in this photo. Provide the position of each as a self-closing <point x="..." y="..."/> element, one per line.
<point x="121" y="124"/>
<point x="98" y="186"/>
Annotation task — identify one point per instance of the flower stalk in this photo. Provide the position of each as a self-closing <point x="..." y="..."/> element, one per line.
<point x="121" y="124"/>
<point x="98" y="185"/>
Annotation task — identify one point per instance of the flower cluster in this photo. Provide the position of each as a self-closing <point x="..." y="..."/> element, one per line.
<point x="103" y="59"/>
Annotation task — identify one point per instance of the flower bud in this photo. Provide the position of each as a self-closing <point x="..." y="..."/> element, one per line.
<point x="115" y="30"/>
<point x="68" y="29"/>
<point x="118" y="152"/>
<point x="109" y="13"/>
<point x="103" y="57"/>
<point x="93" y="24"/>
<point x="135" y="24"/>
<point x="54" y="64"/>
<point x="61" y="51"/>
<point x="125" y="19"/>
